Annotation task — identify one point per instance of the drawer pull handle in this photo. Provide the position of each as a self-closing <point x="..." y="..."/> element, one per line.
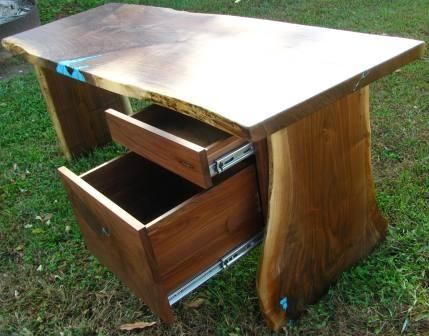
<point x="98" y="229"/>
<point x="231" y="159"/>
<point x="186" y="164"/>
<point x="105" y="231"/>
<point x="92" y="220"/>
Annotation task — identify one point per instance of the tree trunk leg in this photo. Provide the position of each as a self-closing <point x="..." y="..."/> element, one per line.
<point x="322" y="212"/>
<point x="77" y="111"/>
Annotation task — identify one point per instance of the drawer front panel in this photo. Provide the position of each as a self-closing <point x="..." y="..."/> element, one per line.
<point x="118" y="240"/>
<point x="201" y="231"/>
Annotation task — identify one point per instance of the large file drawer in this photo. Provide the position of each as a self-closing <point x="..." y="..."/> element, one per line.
<point x="157" y="231"/>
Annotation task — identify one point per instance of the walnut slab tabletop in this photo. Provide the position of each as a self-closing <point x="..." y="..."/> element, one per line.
<point x="250" y="77"/>
<point x="300" y="92"/>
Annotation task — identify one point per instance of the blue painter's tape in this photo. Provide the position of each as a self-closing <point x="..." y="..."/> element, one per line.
<point x="71" y="68"/>
<point x="75" y="74"/>
<point x="283" y="303"/>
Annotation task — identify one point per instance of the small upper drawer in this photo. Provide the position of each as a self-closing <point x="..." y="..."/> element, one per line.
<point x="181" y="144"/>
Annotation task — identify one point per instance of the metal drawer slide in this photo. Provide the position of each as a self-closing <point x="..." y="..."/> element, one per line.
<point x="232" y="158"/>
<point x="223" y="263"/>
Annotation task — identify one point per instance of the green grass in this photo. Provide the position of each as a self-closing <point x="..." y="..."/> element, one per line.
<point x="50" y="284"/>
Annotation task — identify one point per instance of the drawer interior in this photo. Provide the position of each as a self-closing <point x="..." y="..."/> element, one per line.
<point x="181" y="144"/>
<point x="140" y="187"/>
<point x="181" y="126"/>
<point x="159" y="233"/>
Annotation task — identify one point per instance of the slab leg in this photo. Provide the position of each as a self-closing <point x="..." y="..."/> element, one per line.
<point x="77" y="111"/>
<point x="322" y="212"/>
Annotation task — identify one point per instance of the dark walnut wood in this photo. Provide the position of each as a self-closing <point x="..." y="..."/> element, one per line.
<point x="250" y="77"/>
<point x="205" y="228"/>
<point x="322" y="213"/>
<point x="118" y="240"/>
<point x="181" y="144"/>
<point x="77" y="111"/>
<point x="155" y="230"/>
<point x="297" y="91"/>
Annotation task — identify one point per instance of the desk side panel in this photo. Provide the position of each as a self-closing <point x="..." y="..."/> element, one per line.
<point x="77" y="111"/>
<point x="322" y="212"/>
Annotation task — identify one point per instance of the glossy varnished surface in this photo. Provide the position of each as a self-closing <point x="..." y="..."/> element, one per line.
<point x="248" y="76"/>
<point x="157" y="231"/>
<point x="322" y="212"/>
<point x="77" y="111"/>
<point x="177" y="142"/>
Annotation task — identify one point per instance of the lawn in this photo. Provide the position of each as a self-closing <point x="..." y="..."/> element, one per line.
<point x="51" y="285"/>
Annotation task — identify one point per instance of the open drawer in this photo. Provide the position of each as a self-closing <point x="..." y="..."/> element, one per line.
<point x="159" y="233"/>
<point x="181" y="144"/>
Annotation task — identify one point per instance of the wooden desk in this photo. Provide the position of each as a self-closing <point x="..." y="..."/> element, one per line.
<point x="300" y="92"/>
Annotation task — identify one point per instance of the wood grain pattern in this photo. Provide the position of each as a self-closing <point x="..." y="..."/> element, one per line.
<point x="178" y="143"/>
<point x="304" y="89"/>
<point x="183" y="61"/>
<point x="77" y="111"/>
<point x="322" y="214"/>
<point x="196" y="234"/>
<point x="171" y="152"/>
<point x="154" y="229"/>
<point x="181" y="126"/>
<point x="119" y="241"/>
<point x="140" y="187"/>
